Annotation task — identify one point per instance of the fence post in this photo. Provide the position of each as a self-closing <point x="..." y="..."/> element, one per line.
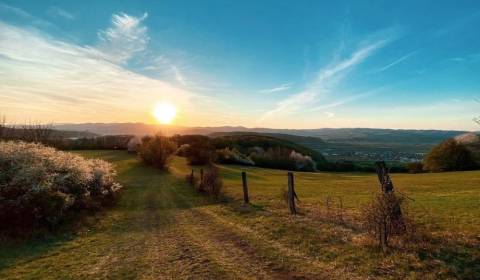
<point x="201" y="174"/>
<point x="192" y="176"/>
<point x="291" y="193"/>
<point x="383" y="177"/>
<point x="245" y="188"/>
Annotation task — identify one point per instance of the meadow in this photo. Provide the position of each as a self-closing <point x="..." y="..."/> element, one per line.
<point x="162" y="229"/>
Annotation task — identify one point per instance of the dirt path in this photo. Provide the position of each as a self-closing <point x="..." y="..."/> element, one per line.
<point x="162" y="229"/>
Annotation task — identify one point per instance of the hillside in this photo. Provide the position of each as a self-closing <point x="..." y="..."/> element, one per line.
<point x="472" y="141"/>
<point x="334" y="143"/>
<point x="328" y="134"/>
<point x="162" y="229"/>
<point x="243" y="142"/>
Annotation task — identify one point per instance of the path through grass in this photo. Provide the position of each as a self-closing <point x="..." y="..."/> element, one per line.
<point x="162" y="229"/>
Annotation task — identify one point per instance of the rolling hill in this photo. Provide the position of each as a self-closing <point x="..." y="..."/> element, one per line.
<point x="334" y="143"/>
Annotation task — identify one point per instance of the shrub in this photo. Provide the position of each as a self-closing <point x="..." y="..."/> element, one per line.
<point x="198" y="149"/>
<point x="156" y="151"/>
<point x="278" y="158"/>
<point x="233" y="156"/>
<point x="182" y="150"/>
<point x="199" y="153"/>
<point x="40" y="186"/>
<point x="382" y="217"/>
<point x="282" y="158"/>
<point x="449" y="156"/>
<point x="245" y="142"/>
<point x="415" y="167"/>
<point x="211" y="182"/>
<point x="303" y="163"/>
<point x="133" y="144"/>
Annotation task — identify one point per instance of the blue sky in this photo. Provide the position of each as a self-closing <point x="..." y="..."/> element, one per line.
<point x="291" y="64"/>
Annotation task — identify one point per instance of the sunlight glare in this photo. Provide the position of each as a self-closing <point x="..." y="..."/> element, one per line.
<point x="165" y="112"/>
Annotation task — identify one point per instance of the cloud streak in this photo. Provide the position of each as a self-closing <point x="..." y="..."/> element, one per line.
<point x="58" y="12"/>
<point x="325" y="80"/>
<point x="279" y="88"/>
<point x="395" y="62"/>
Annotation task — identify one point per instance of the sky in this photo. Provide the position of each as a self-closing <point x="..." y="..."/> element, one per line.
<point x="279" y="64"/>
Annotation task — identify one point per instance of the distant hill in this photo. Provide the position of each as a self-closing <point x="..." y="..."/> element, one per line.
<point x="288" y="137"/>
<point x="335" y="143"/>
<point x="327" y="134"/>
<point x="13" y="132"/>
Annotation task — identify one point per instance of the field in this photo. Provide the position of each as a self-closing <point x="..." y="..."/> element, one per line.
<point x="162" y="229"/>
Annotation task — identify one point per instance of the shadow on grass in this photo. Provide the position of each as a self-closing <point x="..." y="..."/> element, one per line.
<point x="462" y="260"/>
<point x="147" y="204"/>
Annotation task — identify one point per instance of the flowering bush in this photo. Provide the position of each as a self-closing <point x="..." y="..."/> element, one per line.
<point x="303" y="162"/>
<point x="282" y="158"/>
<point x="133" y="144"/>
<point x="233" y="156"/>
<point x="40" y="186"/>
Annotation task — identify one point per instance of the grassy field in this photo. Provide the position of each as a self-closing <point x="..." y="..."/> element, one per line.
<point x="162" y="229"/>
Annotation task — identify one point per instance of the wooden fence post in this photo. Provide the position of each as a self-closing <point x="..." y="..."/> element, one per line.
<point x="192" y="178"/>
<point x="392" y="222"/>
<point x="383" y="177"/>
<point x="245" y="188"/>
<point x="201" y="175"/>
<point x="291" y="193"/>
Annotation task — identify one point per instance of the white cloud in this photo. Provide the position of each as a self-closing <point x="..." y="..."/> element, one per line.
<point x="124" y="38"/>
<point x="59" y="12"/>
<point x="282" y="87"/>
<point x="324" y="81"/>
<point x="59" y="81"/>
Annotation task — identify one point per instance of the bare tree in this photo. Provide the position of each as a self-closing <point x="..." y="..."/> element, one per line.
<point x="36" y="132"/>
<point x="3" y="126"/>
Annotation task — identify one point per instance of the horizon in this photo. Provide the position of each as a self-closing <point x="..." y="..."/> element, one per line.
<point x="258" y="127"/>
<point x="271" y="64"/>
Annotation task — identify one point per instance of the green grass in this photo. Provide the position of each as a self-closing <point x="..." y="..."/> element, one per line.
<point x="451" y="200"/>
<point x="162" y="229"/>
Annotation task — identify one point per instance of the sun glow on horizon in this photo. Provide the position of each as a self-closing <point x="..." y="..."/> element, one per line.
<point x="165" y="112"/>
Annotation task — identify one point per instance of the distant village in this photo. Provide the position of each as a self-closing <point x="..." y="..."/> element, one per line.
<point x="403" y="157"/>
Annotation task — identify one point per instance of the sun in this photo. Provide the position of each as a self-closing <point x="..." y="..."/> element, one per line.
<point x="165" y="112"/>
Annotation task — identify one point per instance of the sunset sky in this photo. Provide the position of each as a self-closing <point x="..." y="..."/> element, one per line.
<point x="281" y="64"/>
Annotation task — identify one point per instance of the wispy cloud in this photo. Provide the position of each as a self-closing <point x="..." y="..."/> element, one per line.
<point x="59" y="12"/>
<point x="178" y="75"/>
<point x="161" y="66"/>
<point x="346" y="100"/>
<point x="325" y="80"/>
<point x="395" y="62"/>
<point x="19" y="13"/>
<point x="124" y="38"/>
<point x="67" y="82"/>
<point x="475" y="57"/>
<point x="282" y="87"/>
